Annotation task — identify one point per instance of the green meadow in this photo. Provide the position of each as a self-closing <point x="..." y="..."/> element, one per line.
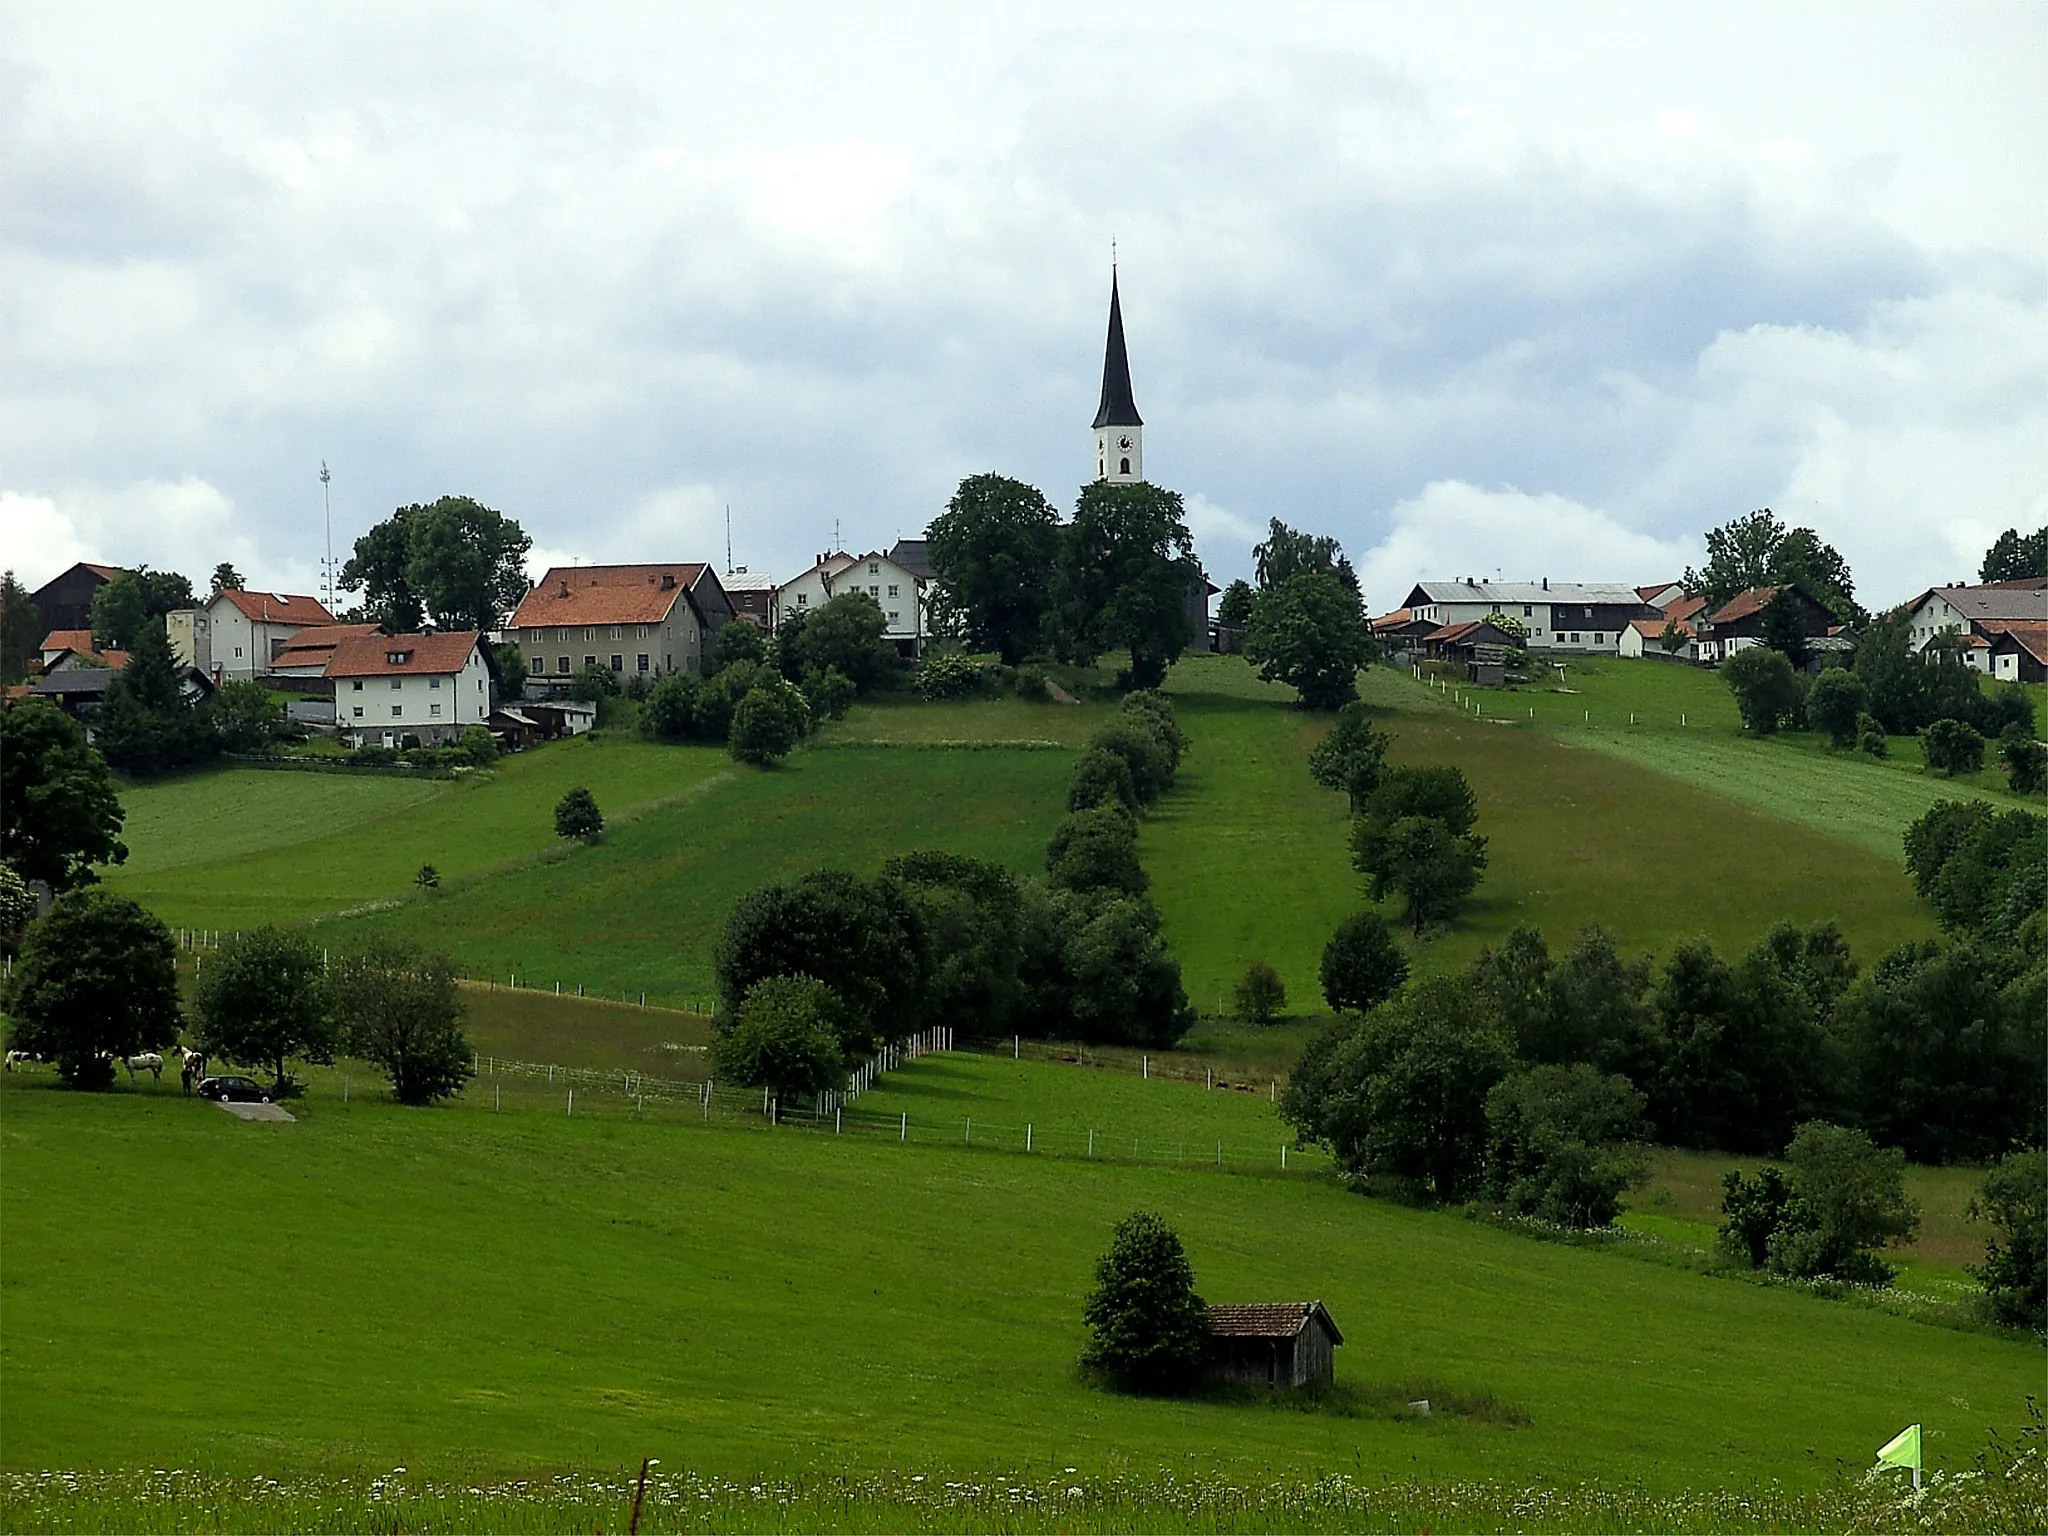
<point x="469" y="1294"/>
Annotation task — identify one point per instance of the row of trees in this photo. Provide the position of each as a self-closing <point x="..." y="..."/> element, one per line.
<point x="97" y="980"/>
<point x="1015" y="580"/>
<point x="817" y="973"/>
<point x="1411" y="828"/>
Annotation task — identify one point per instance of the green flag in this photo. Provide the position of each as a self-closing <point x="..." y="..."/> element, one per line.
<point x="1902" y="1450"/>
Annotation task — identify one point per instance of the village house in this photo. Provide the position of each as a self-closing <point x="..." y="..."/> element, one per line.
<point x="236" y="636"/>
<point x="2020" y="653"/>
<point x="1481" y="645"/>
<point x="389" y="687"/>
<point x="65" y="600"/>
<point x="630" y="620"/>
<point x="72" y="650"/>
<point x="896" y="589"/>
<point x="752" y="595"/>
<point x="1974" y="617"/>
<point x="1273" y="1344"/>
<point x="1679" y="616"/>
<point x="1738" y="624"/>
<point x="80" y="690"/>
<point x="1559" y="616"/>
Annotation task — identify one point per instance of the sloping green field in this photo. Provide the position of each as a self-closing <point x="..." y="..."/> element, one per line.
<point x="463" y="1293"/>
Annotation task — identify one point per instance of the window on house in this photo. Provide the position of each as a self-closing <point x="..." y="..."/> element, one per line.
<point x="641" y="633"/>
<point x="894" y="615"/>
<point x="1528" y="612"/>
<point x="874" y="567"/>
<point x="590" y="634"/>
<point x="640" y="664"/>
<point x="668" y="662"/>
<point x="1123" y="466"/>
<point x="803" y="599"/>
<point x="433" y="711"/>
<point x="433" y="682"/>
<point x="892" y="589"/>
<point x="1575" y="637"/>
<point x="561" y="664"/>
<point x="615" y="631"/>
<point x="357" y="712"/>
<point x="357" y="685"/>
<point x="397" y="710"/>
<point x="618" y="663"/>
<point x="590" y="661"/>
<point x="1599" y="638"/>
<point x="238" y="651"/>
<point x="397" y="683"/>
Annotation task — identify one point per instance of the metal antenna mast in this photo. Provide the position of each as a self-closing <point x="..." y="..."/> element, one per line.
<point x="327" y="511"/>
<point x="728" y="538"/>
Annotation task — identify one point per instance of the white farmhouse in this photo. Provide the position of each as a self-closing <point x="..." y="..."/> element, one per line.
<point x="896" y="589"/>
<point x="388" y="687"/>
<point x="1559" y="615"/>
<point x="236" y="636"/>
<point x="1975" y="619"/>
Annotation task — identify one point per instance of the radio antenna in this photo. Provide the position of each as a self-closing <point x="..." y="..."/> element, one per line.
<point x="728" y="538"/>
<point x="327" y="512"/>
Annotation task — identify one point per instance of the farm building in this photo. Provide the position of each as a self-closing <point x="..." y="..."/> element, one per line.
<point x="1272" y="1343"/>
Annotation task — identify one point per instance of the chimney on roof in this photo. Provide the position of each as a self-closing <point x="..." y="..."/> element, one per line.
<point x="565" y="586"/>
<point x="668" y="580"/>
<point x="1546" y="583"/>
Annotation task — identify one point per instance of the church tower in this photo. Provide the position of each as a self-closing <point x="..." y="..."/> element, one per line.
<point x="1119" y="429"/>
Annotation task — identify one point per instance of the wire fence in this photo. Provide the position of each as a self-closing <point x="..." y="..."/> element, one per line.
<point x="1137" y="1063"/>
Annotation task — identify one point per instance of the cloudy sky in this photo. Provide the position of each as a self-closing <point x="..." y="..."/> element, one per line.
<point x="1547" y="290"/>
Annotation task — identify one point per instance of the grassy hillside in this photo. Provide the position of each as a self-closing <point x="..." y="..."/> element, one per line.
<point x="463" y="1293"/>
<point x="1249" y="857"/>
<point x="241" y="846"/>
<point x="639" y="911"/>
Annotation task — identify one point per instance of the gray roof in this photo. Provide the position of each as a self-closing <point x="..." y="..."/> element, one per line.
<point x="75" y="682"/>
<point x="1524" y="592"/>
<point x="2018" y="600"/>
<point x="909" y="553"/>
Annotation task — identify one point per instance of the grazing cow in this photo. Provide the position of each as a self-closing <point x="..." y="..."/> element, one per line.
<point x="149" y="1061"/>
<point x="20" y="1059"/>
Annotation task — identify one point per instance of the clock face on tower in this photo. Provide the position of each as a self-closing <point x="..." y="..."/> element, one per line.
<point x="1124" y="443"/>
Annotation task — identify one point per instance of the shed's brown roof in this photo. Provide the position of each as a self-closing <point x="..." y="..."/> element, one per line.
<point x="425" y="655"/>
<point x="79" y="640"/>
<point x="319" y="643"/>
<point x="1268" y="1320"/>
<point x="605" y="594"/>
<point x="2032" y="638"/>
<point x="1742" y="605"/>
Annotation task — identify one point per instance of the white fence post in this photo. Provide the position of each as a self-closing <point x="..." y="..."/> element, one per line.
<point x="572" y="1101"/>
<point x="1027" y="1136"/>
<point x="904" y="1133"/>
<point x="1091" y="1143"/>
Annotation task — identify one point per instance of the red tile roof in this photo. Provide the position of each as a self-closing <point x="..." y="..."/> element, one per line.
<point x="279" y="607"/>
<point x="318" y="643"/>
<point x="1686" y="609"/>
<point x="1398" y="616"/>
<point x="1267" y="1320"/>
<point x="1742" y="605"/>
<point x="79" y="640"/>
<point x="425" y="655"/>
<point x="605" y="594"/>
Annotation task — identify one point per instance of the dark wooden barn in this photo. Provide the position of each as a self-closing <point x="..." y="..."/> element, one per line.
<point x="1273" y="1343"/>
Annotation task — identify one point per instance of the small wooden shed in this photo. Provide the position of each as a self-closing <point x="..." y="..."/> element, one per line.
<point x="1272" y="1343"/>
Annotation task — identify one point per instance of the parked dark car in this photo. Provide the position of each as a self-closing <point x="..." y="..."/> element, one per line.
<point x="231" y="1090"/>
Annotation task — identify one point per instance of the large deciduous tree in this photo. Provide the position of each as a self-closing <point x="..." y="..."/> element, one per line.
<point x="261" y="999"/>
<point x="1310" y="632"/>
<point x="844" y="635"/>
<point x="124" y="607"/>
<point x="785" y="1038"/>
<point x="1127" y="570"/>
<point x="97" y="979"/>
<point x="1362" y="965"/>
<point x="2013" y="557"/>
<point x="1352" y="758"/>
<point x="994" y="550"/>
<point x="400" y="1007"/>
<point x="59" y="814"/>
<point x="1288" y="552"/>
<point x="455" y="558"/>
<point x="1760" y="551"/>
<point x="1147" y="1329"/>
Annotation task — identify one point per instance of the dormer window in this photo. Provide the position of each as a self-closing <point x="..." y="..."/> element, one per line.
<point x="397" y="658"/>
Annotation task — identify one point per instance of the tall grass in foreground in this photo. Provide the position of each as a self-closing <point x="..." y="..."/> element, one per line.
<point x="2004" y="1494"/>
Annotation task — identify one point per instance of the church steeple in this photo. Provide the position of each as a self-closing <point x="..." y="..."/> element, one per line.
<point x="1119" y="429"/>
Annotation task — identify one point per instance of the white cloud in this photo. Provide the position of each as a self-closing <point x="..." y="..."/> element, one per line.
<point x="1454" y="530"/>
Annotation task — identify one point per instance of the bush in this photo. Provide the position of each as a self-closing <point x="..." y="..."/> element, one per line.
<point x="2014" y="1274"/>
<point x="1362" y="965"/>
<point x="1147" y="1329"/>
<point x="1145" y="751"/>
<point x="1836" y="705"/>
<point x="670" y="710"/>
<point x="1766" y="688"/>
<point x="1870" y="738"/>
<point x="1120" y="984"/>
<point x="2024" y="759"/>
<point x="246" y="715"/>
<point x="400" y="1008"/>
<point x="1032" y="683"/>
<point x="1101" y="777"/>
<point x="593" y="684"/>
<point x="786" y="1038"/>
<point x="1152" y="705"/>
<point x="476" y="746"/>
<point x="764" y="727"/>
<point x="845" y="633"/>
<point x="17" y="909"/>
<point x="718" y="697"/>
<point x="1096" y="850"/>
<point x="261" y="999"/>
<point x="830" y="693"/>
<point x="97" y="978"/>
<point x="946" y="675"/>
<point x="577" y="815"/>
<point x="740" y="640"/>
<point x="1952" y="748"/>
<point x="1260" y="994"/>
<point x="1561" y="1144"/>
<point x="1843" y="1198"/>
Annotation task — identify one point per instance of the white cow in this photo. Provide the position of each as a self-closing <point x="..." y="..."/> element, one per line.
<point x="20" y="1059"/>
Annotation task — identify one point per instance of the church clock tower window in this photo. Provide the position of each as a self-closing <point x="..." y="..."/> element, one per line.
<point x="1119" y="429"/>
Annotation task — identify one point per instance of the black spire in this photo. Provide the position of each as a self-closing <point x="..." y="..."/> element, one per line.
<point x="1118" y="409"/>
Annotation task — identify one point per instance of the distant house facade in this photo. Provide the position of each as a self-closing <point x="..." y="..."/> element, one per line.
<point x="389" y="687"/>
<point x="1738" y="624"/>
<point x="631" y="620"/>
<point x="2020" y="653"/>
<point x="896" y="589"/>
<point x="80" y="691"/>
<point x="1559" y="616"/>
<point x="1679" y="618"/>
<point x="72" y="650"/>
<point x="65" y="600"/>
<point x="1273" y="1344"/>
<point x="752" y="595"/>
<point x="1974" y="617"/>
<point x="235" y="637"/>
